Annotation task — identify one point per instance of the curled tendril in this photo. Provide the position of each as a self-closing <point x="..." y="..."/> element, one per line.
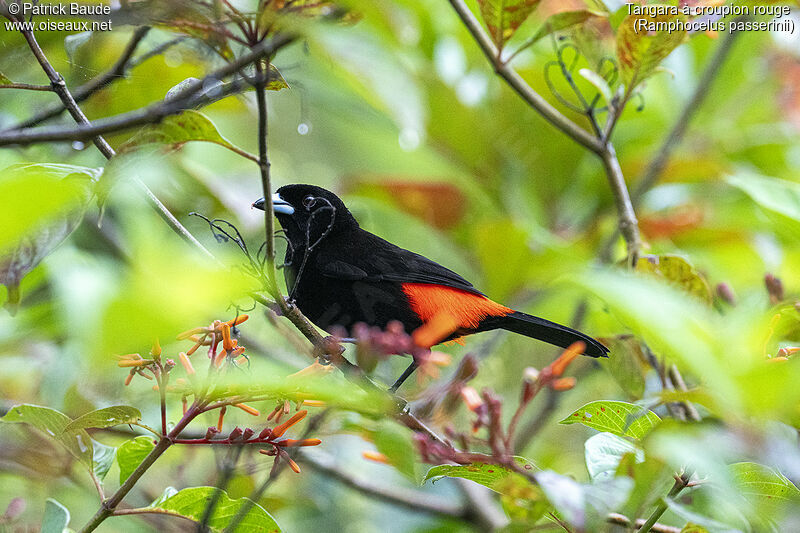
<point x="566" y="65"/>
<point x="223" y="231"/>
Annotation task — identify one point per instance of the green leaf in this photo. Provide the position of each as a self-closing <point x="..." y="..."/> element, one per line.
<point x="762" y="485"/>
<point x="620" y="418"/>
<point x="102" y="459"/>
<point x="699" y="520"/>
<point x="395" y="443"/>
<point x="497" y="478"/>
<point x="131" y="453"/>
<point x="503" y="17"/>
<point x="176" y="130"/>
<point x="779" y="196"/>
<point x="192" y="504"/>
<point x="693" y="528"/>
<point x="678" y="271"/>
<point x="56" y="517"/>
<point x="53" y="423"/>
<point x="560" y="21"/>
<point x="276" y="81"/>
<point x="106" y="417"/>
<point x="604" y="452"/>
<point x="627" y="366"/>
<point x="31" y="210"/>
<point x="4" y="80"/>
<point x="640" y="50"/>
<point x="599" y="83"/>
<point x="585" y="506"/>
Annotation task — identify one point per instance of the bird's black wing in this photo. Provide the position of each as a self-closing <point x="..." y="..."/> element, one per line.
<point x="371" y="258"/>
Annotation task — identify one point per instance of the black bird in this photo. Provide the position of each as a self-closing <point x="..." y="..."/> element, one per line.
<point x="339" y="274"/>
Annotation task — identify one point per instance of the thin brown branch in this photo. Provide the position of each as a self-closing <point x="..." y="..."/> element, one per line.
<point x="60" y="87"/>
<point x="672" y="140"/>
<point x="117" y="71"/>
<point x="184" y="99"/>
<point x="628" y="225"/>
<point x="680" y="483"/>
<point x="624" y="521"/>
<point x="26" y="86"/>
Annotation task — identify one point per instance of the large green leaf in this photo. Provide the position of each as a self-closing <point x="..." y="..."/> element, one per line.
<point x="584" y="506"/>
<point x="102" y="458"/>
<point x="640" y="49"/>
<point x="762" y="485"/>
<point x="677" y="271"/>
<point x="53" y="423"/>
<point x="503" y="17"/>
<point x="620" y="418"/>
<point x="48" y="204"/>
<point x="560" y="21"/>
<point x="192" y="504"/>
<point x="106" y="417"/>
<point x="395" y="443"/>
<point x="56" y="517"/>
<point x="775" y="195"/>
<point x="130" y="455"/>
<point x="498" y="478"/>
<point x="604" y="452"/>
<point x="176" y="130"/>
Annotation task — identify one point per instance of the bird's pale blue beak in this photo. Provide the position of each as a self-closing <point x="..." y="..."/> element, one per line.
<point x="279" y="205"/>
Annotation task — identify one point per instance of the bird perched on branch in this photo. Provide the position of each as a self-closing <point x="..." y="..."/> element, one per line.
<point x="339" y="275"/>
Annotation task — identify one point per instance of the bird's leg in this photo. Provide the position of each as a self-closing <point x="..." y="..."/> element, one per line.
<point x="408" y="371"/>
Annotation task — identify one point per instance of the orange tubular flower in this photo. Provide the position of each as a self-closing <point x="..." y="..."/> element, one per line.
<point x="281" y="429"/>
<point x="221" y="418"/>
<point x="375" y="456"/>
<point x="564" y="384"/>
<point x="558" y="366"/>
<point x="247" y="409"/>
<point x="302" y="442"/>
<point x="156" y="350"/>
<point x="293" y="465"/>
<point x="226" y="337"/>
<point x="128" y="363"/>
<point x="471" y="398"/>
<point x="236" y="321"/>
<point x="186" y="363"/>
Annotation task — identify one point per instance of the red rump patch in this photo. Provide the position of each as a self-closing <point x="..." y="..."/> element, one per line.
<point x="428" y="300"/>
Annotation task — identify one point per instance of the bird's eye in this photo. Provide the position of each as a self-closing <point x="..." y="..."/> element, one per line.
<point x="309" y="201"/>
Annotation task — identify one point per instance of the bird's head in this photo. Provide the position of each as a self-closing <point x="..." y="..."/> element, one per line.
<point x="301" y="207"/>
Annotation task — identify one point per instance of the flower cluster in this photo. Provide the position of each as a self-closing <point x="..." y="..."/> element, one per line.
<point x="223" y="351"/>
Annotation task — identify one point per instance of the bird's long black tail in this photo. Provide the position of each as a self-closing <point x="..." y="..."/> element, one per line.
<point x="544" y="330"/>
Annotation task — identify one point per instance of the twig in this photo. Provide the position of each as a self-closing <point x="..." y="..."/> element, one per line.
<point x="26" y="86"/>
<point x="414" y="500"/>
<point x="602" y="147"/>
<point x="92" y="86"/>
<point x="680" y="483"/>
<point x="185" y="99"/>
<point x="624" y="521"/>
<point x="627" y="223"/>
<point x="653" y="171"/>
<point x="60" y="87"/>
<point x="109" y="506"/>
<point x="266" y="186"/>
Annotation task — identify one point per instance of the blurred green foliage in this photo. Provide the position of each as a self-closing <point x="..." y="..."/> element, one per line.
<point x="397" y="109"/>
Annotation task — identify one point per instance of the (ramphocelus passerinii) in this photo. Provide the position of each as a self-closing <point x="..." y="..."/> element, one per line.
<point x="339" y="274"/>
